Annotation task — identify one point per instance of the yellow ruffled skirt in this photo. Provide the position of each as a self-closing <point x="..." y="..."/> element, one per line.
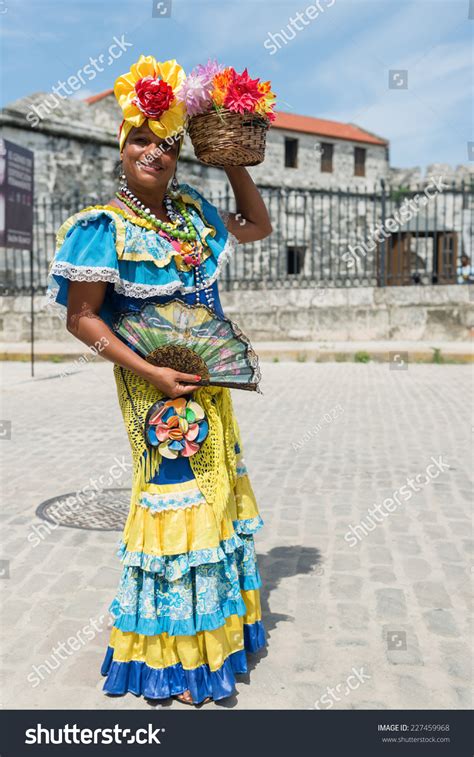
<point x="187" y="609"/>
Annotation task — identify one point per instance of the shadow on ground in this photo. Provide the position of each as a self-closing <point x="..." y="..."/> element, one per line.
<point x="274" y="566"/>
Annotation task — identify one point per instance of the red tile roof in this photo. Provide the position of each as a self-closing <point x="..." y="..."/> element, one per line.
<point x="306" y="124"/>
<point x="100" y="96"/>
<point x="323" y="128"/>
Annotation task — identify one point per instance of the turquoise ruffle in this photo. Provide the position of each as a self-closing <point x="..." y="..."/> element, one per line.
<point x="186" y="627"/>
<point x="248" y="525"/>
<point x="172" y="567"/>
<point x="200" y="599"/>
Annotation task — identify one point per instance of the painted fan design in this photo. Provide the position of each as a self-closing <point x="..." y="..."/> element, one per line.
<point x="192" y="339"/>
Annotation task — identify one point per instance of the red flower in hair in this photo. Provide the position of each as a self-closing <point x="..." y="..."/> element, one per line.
<point x="153" y="96"/>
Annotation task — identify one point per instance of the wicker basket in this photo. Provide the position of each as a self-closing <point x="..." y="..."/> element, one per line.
<point x="229" y="139"/>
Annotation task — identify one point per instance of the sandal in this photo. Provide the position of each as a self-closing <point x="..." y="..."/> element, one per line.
<point x="186" y="698"/>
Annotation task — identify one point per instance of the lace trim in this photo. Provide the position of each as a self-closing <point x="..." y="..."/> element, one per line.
<point x="84" y="273"/>
<point x="179" y="501"/>
<point x="130" y="289"/>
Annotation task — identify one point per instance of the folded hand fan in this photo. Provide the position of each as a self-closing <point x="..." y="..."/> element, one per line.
<point x="192" y="339"/>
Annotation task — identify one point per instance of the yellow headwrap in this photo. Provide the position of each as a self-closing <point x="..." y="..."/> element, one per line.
<point x="148" y="93"/>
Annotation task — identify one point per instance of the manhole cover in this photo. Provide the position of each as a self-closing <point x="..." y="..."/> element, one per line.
<point x="105" y="510"/>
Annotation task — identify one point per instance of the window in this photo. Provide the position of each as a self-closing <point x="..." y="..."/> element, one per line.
<point x="291" y="152"/>
<point x="327" y="150"/>
<point x="359" y="161"/>
<point x="295" y="259"/>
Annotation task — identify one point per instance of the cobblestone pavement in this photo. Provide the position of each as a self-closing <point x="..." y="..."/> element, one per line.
<point x="374" y="617"/>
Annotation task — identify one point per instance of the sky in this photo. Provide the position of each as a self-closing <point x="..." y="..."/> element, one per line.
<point x="336" y="65"/>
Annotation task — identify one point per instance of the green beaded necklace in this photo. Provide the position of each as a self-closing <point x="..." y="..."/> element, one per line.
<point x="168" y="228"/>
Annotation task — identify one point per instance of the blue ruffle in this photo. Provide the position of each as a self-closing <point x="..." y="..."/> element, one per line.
<point x="254" y="636"/>
<point x="247" y="583"/>
<point x="248" y="525"/>
<point x="172" y="567"/>
<point x="161" y="683"/>
<point x="184" y="627"/>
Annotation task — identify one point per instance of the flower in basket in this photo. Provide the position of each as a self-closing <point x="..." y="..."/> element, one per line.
<point x="243" y="94"/>
<point x="220" y="86"/>
<point x="266" y="104"/>
<point x="212" y="87"/>
<point x="177" y="427"/>
<point x="148" y="92"/>
<point x="195" y="92"/>
<point x="218" y="104"/>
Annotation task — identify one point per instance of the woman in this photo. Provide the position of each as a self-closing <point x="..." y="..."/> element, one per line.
<point x="188" y="604"/>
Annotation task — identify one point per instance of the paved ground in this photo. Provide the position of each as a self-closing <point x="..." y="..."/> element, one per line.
<point x="381" y="624"/>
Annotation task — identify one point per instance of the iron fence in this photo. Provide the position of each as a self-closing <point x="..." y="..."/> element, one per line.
<point x="321" y="238"/>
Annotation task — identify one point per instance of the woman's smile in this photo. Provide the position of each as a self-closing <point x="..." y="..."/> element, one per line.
<point x="150" y="167"/>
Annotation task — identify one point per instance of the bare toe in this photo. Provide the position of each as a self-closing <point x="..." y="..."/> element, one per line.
<point x="185" y="697"/>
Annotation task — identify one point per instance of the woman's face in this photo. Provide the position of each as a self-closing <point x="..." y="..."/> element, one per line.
<point x="148" y="161"/>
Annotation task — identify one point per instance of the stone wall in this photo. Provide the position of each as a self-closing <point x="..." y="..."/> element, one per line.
<point x="417" y="313"/>
<point x="76" y="149"/>
<point x="355" y="314"/>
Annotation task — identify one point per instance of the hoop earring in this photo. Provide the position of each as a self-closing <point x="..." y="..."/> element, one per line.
<point x="122" y="179"/>
<point x="174" y="186"/>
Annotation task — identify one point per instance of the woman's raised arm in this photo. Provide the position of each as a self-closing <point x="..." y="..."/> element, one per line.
<point x="251" y="221"/>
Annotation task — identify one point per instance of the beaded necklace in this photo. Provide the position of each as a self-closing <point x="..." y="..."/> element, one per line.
<point x="181" y="229"/>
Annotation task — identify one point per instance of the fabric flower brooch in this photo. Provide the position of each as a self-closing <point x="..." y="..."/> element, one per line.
<point x="176" y="426"/>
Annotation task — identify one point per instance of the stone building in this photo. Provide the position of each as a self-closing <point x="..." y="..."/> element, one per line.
<point x="322" y="183"/>
<point x="76" y="149"/>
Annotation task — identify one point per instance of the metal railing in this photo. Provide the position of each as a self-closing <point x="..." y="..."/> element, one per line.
<point x="321" y="238"/>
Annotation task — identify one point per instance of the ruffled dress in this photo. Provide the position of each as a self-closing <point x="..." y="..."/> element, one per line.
<point x="187" y="610"/>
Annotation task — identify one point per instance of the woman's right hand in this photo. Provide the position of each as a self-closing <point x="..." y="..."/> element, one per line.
<point x="172" y="383"/>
